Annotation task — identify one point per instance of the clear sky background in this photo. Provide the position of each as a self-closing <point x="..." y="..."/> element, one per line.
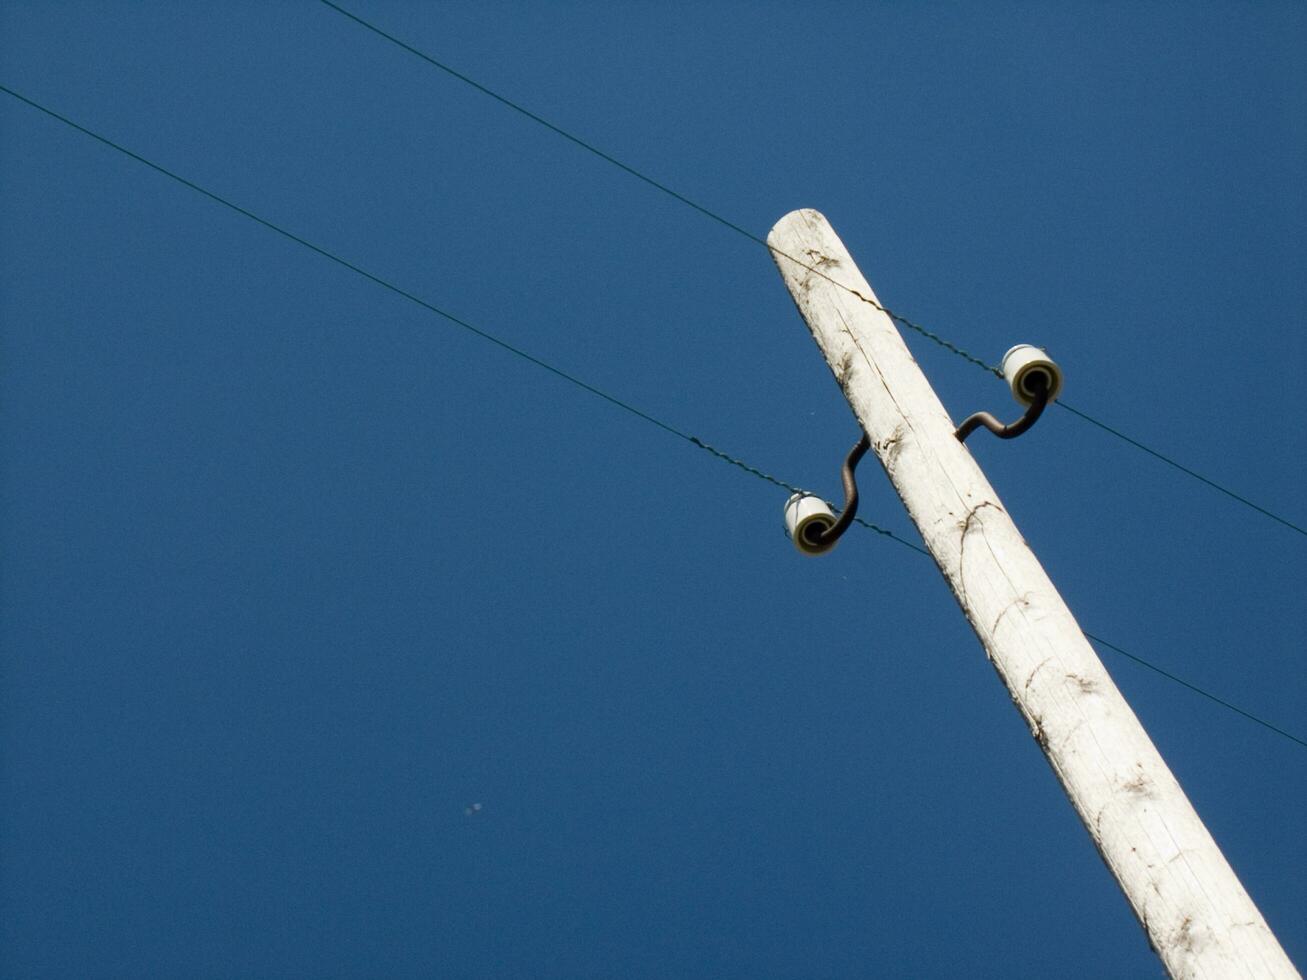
<point x="294" y="572"/>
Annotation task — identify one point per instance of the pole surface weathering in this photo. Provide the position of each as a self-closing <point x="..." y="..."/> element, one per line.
<point x="1197" y="915"/>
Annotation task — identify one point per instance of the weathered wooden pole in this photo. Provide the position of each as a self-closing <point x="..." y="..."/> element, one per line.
<point x="1197" y="916"/>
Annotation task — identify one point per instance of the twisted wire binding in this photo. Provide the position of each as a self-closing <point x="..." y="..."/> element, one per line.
<point x="965" y="355"/>
<point x="775" y="481"/>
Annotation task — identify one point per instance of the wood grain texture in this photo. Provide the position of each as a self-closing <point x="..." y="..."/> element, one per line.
<point x="1197" y="916"/>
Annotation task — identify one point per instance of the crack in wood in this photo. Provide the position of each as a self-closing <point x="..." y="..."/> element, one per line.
<point x="1022" y="601"/>
<point x="962" y="547"/>
<point x="1030" y="678"/>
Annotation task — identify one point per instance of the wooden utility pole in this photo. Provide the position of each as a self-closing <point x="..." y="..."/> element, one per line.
<point x="1197" y="916"/>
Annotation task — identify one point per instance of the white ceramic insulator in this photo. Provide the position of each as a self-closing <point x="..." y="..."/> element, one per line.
<point x="803" y="510"/>
<point x="1022" y="361"/>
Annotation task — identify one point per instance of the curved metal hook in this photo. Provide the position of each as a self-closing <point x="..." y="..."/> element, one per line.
<point x="820" y="540"/>
<point x="1039" y="382"/>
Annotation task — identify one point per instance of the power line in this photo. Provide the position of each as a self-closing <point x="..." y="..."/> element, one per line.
<point x="1197" y="690"/>
<point x="432" y="308"/>
<point x="558" y="372"/>
<point x="709" y="213"/>
<point x="775" y="481"/>
<point x="1183" y="469"/>
<point x="609" y="158"/>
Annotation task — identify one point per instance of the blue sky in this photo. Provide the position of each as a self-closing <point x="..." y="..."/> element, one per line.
<point x="293" y="572"/>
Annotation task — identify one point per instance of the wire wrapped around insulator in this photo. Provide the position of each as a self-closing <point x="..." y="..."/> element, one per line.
<point x="1038" y="382"/>
<point x="819" y="540"/>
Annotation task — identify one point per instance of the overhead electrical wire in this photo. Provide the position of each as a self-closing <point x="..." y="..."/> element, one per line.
<point x="558" y="372"/>
<point x="709" y="213"/>
<point x="608" y="158"/>
<point x="430" y="307"/>
<point x="1197" y="690"/>
<point x="1182" y="468"/>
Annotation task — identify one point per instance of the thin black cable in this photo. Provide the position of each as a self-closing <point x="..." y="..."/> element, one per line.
<point x="543" y="122"/>
<point x="708" y="212"/>
<point x="658" y="185"/>
<point x="484" y="335"/>
<point x="347" y="264"/>
<point x="693" y="440"/>
<point x="1197" y="690"/>
<point x="1182" y="468"/>
<point x="774" y="481"/>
